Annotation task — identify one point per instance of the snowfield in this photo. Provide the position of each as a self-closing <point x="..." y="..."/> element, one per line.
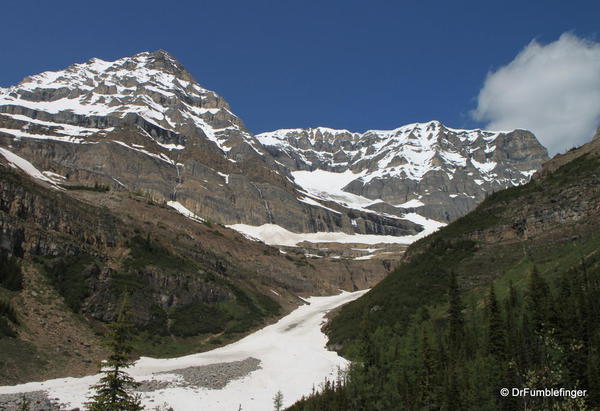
<point x="16" y="161"/>
<point x="273" y="234"/>
<point x="292" y="355"/>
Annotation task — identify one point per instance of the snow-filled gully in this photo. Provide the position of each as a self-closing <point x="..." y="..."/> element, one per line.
<point x="292" y="355"/>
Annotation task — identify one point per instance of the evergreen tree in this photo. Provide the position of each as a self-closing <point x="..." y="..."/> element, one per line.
<point x="457" y="321"/>
<point x="538" y="294"/>
<point x="113" y="391"/>
<point x="496" y="330"/>
<point x="278" y="401"/>
<point x="452" y="392"/>
<point x="547" y="335"/>
<point x="11" y="275"/>
<point x="25" y="404"/>
<point x="426" y="386"/>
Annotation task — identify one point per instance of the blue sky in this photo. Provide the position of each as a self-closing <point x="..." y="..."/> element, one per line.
<point x="281" y="64"/>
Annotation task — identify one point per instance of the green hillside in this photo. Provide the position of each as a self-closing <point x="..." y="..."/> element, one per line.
<point x="488" y="244"/>
<point x="503" y="297"/>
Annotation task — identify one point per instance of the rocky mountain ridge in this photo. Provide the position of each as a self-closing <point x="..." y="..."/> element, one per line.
<point x="124" y="176"/>
<point x="440" y="171"/>
<point x="143" y="124"/>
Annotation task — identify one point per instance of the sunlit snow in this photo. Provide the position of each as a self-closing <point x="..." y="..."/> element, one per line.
<point x="24" y="165"/>
<point x="273" y="234"/>
<point x="183" y="210"/>
<point x="292" y="355"/>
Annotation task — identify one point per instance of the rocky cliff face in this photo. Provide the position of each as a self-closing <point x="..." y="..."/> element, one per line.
<point x="114" y="239"/>
<point x="437" y="171"/>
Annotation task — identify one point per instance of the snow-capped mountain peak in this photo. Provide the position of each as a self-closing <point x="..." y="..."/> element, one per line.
<point x="153" y="86"/>
<point x="143" y="123"/>
<point x="428" y="162"/>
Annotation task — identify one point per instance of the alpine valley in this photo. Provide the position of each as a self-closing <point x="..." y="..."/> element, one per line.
<point x="129" y="176"/>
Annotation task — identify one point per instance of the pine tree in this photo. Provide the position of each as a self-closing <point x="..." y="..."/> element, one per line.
<point x="537" y="299"/>
<point x="427" y="371"/>
<point x="496" y="331"/>
<point x="113" y="391"/>
<point x="457" y="321"/>
<point x="278" y="401"/>
<point x="453" y="399"/>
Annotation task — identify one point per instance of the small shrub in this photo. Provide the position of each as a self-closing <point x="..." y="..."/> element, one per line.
<point x="70" y="275"/>
<point x="198" y="318"/>
<point x="8" y="311"/>
<point x="6" y="329"/>
<point x="11" y="276"/>
<point x="100" y="188"/>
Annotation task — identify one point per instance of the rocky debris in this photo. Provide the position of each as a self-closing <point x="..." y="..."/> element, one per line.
<point x="155" y="385"/>
<point x="212" y="376"/>
<point x="37" y="400"/>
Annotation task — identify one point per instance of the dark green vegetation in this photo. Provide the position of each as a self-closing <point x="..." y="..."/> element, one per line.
<point x="505" y="296"/>
<point x="70" y="276"/>
<point x="460" y="248"/>
<point x="96" y="187"/>
<point x="114" y="390"/>
<point x="8" y="319"/>
<point x="11" y="280"/>
<point x="11" y="276"/>
<point x="185" y="296"/>
<point x="236" y="310"/>
<point x="230" y="309"/>
<point x="547" y="336"/>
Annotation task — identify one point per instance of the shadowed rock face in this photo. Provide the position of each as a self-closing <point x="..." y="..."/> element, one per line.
<point x="173" y="263"/>
<point x="143" y="124"/>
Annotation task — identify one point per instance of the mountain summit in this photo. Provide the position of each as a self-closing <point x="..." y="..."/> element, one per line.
<point x="441" y="171"/>
<point x="153" y="87"/>
<point x="143" y="124"/>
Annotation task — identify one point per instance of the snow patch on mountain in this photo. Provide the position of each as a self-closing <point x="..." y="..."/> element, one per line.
<point x="273" y="234"/>
<point x="414" y="203"/>
<point x="328" y="185"/>
<point x="183" y="210"/>
<point x="425" y="161"/>
<point x="18" y="162"/>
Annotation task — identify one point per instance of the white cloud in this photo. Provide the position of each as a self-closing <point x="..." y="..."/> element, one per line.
<point x="552" y="90"/>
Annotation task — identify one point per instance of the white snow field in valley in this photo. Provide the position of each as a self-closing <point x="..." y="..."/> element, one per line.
<point x="292" y="354"/>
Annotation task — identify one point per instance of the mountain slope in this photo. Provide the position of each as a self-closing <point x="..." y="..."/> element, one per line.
<point x="551" y="222"/>
<point x="193" y="284"/>
<point x="142" y="123"/>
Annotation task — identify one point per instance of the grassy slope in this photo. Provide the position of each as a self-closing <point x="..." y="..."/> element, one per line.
<point x="478" y="250"/>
